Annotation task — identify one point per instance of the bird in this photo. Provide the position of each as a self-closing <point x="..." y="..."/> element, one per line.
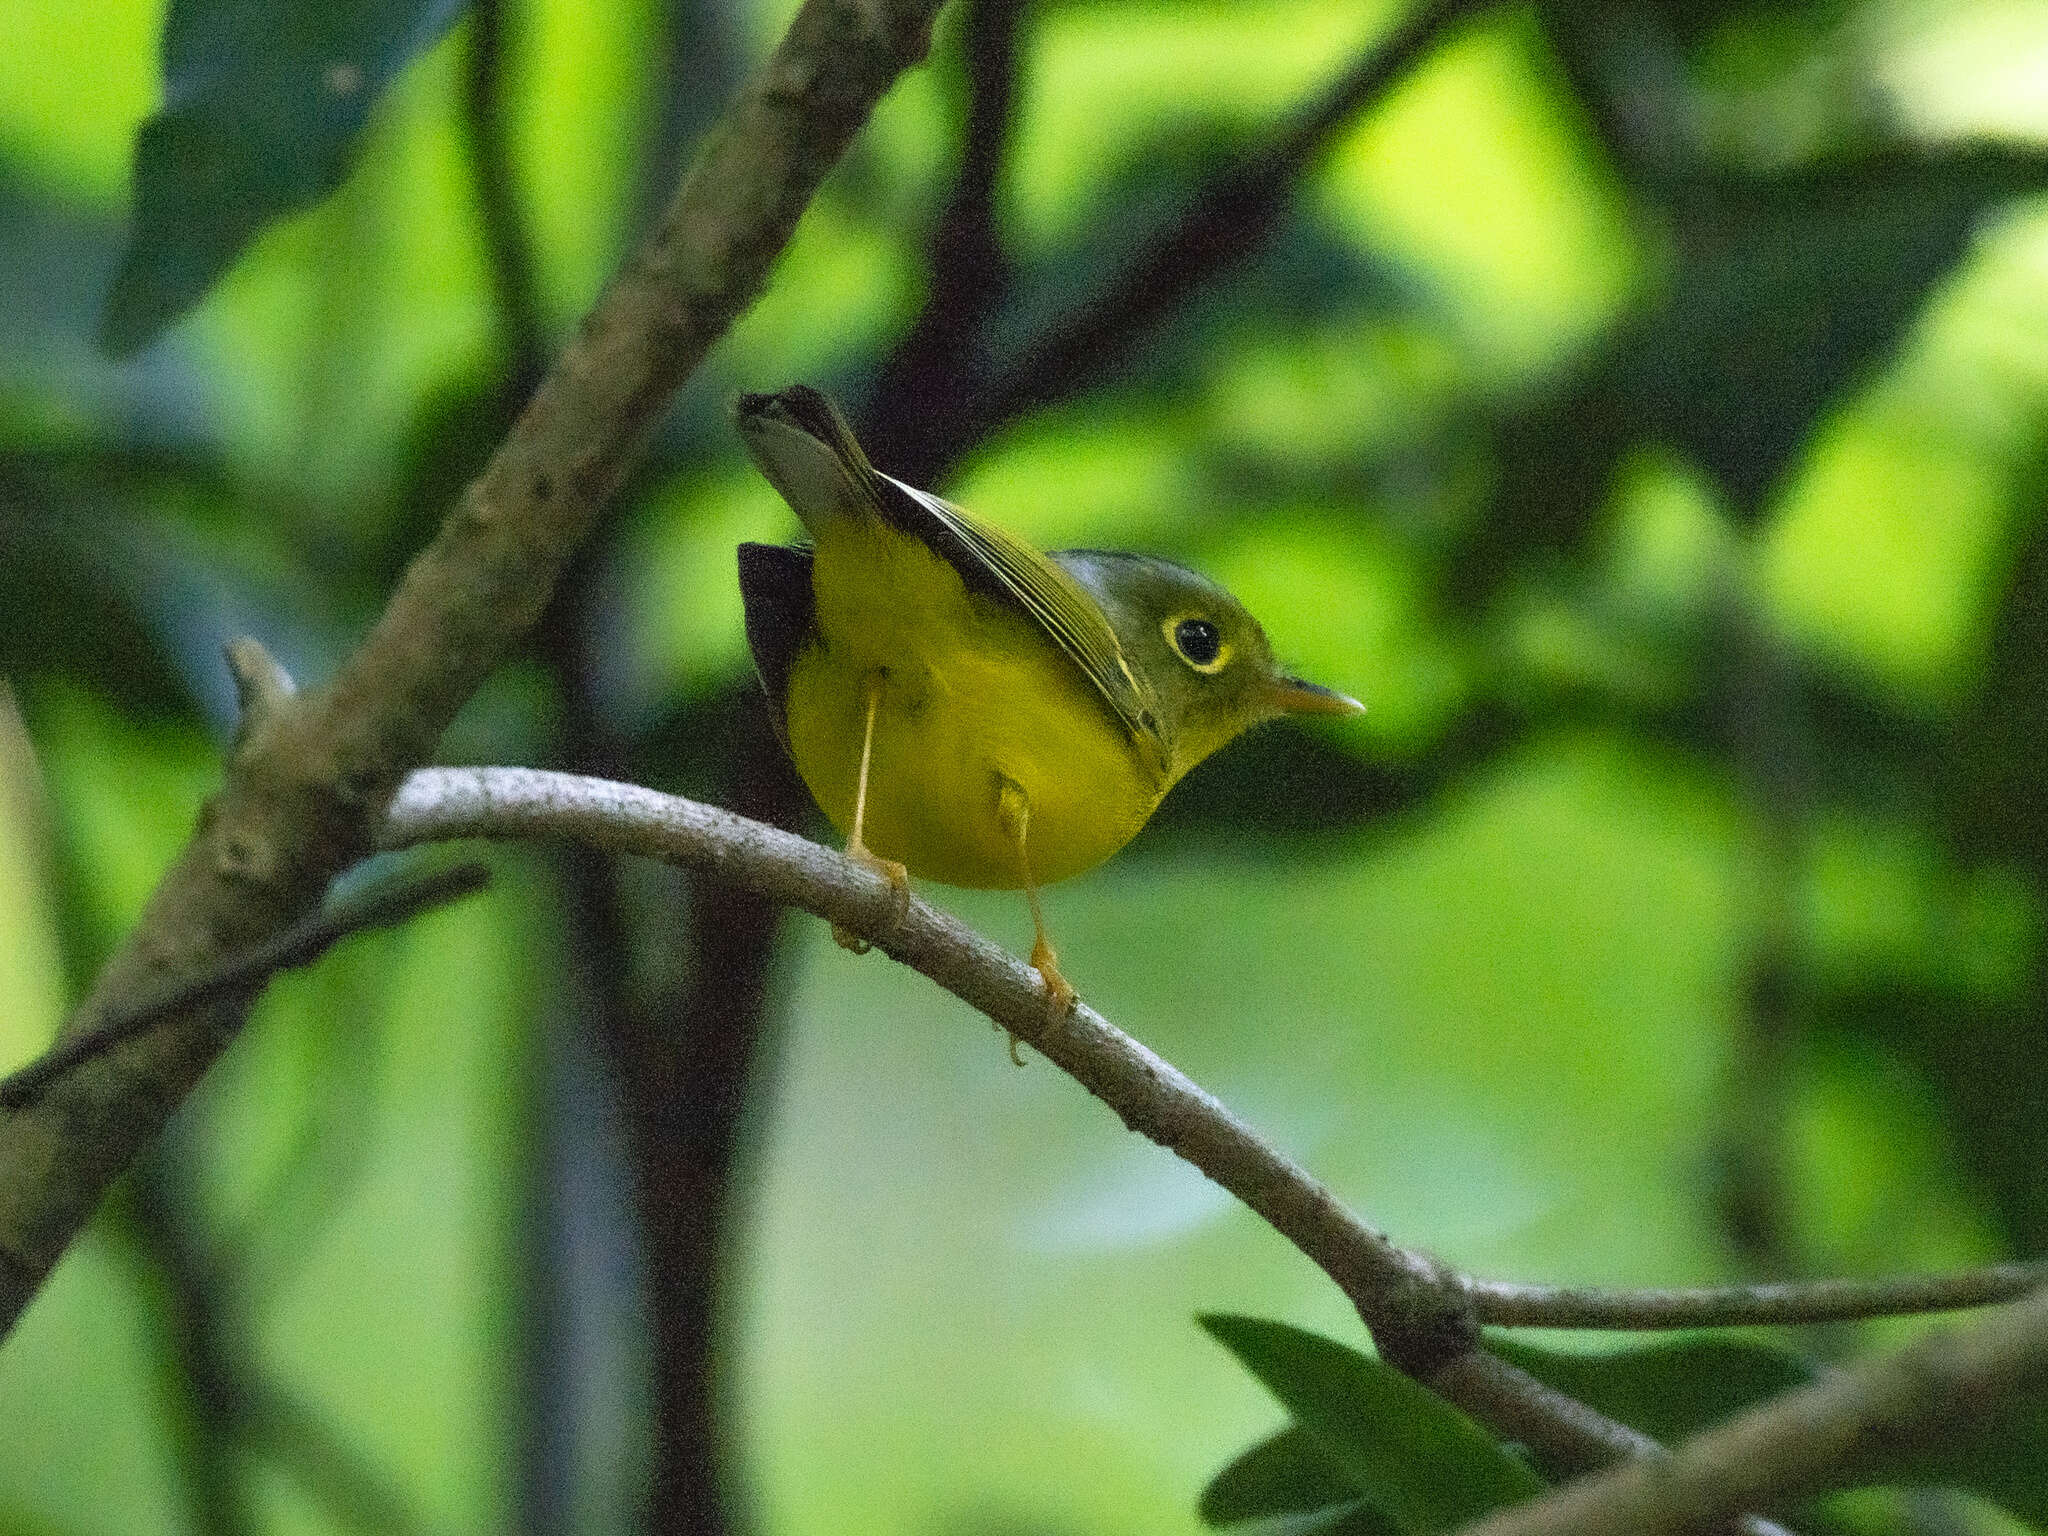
<point x="964" y="708"/>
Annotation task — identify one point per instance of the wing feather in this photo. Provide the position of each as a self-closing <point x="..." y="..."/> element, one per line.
<point x="781" y="612"/>
<point x="806" y="449"/>
<point x="988" y="557"/>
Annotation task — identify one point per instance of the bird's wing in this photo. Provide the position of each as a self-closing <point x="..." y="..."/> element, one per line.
<point x="998" y="563"/>
<point x="775" y="590"/>
<point x="805" y="447"/>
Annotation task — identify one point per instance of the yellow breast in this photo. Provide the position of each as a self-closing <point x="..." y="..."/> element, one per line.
<point x="972" y="693"/>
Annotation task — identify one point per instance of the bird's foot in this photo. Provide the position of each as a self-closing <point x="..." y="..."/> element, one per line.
<point x="899" y="894"/>
<point x="1060" y="997"/>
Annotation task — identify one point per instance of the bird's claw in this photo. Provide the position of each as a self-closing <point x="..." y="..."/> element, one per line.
<point x="899" y="898"/>
<point x="1060" y="997"/>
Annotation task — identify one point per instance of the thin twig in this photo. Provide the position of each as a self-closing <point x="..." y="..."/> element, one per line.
<point x="442" y="803"/>
<point x="1227" y="222"/>
<point x="1424" y="1315"/>
<point x="322" y="1460"/>
<point x="395" y="902"/>
<point x="194" y="1322"/>
<point x="1852" y="1428"/>
<point x="437" y="804"/>
<point x="689" y="1070"/>
<point x="1505" y="1304"/>
<point x="1575" y="1439"/>
<point x="231" y="1407"/>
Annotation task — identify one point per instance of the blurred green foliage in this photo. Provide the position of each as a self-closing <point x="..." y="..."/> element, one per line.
<point x="1643" y="408"/>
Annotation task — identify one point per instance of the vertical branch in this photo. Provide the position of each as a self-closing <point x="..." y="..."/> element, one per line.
<point x="193" y="1329"/>
<point x="641" y="1040"/>
<point x="685" y="1068"/>
<point x="595" y="989"/>
<point x="515" y="288"/>
<point x="1769" y="740"/>
<point x="697" y="65"/>
<point x="686" y="1074"/>
<point x="969" y="272"/>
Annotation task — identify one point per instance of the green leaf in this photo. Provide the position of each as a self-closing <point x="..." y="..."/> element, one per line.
<point x="1784" y="292"/>
<point x="1284" y="1474"/>
<point x="2007" y="1463"/>
<point x="263" y="105"/>
<point x="1356" y="1518"/>
<point x="1393" y="1441"/>
<point x="1668" y="1389"/>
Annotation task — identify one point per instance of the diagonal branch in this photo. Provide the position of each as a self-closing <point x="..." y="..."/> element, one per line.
<point x="1851" y="1429"/>
<point x="1227" y="222"/>
<point x="301" y="944"/>
<point x="1404" y="1293"/>
<point x="1424" y="1316"/>
<point x="1418" y="1312"/>
<point x="310" y="775"/>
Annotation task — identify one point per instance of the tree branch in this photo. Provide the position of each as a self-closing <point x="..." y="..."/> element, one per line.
<point x="389" y="905"/>
<point x="1419" y="1313"/>
<point x="1395" y="1288"/>
<point x="968" y="267"/>
<point x="310" y="776"/>
<point x="196" y="1318"/>
<point x="1504" y="1304"/>
<point x="1424" y="1316"/>
<point x="1851" y="1428"/>
<point x="1569" y="1436"/>
<point x="1226" y="223"/>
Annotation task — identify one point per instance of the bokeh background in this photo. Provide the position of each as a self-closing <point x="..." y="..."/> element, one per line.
<point x="1642" y="405"/>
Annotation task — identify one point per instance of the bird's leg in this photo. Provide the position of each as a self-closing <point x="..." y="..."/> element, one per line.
<point x="857" y="850"/>
<point x="1013" y="809"/>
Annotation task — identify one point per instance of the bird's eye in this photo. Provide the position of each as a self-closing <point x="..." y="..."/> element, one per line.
<point x="1200" y="642"/>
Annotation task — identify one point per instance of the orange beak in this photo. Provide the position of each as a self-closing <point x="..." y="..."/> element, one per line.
<point x="1292" y="696"/>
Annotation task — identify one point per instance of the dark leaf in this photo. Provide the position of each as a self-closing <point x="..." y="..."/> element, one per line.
<point x="105" y="594"/>
<point x="263" y="105"/>
<point x="1789" y="289"/>
<point x="1692" y="20"/>
<point x="2003" y="739"/>
<point x="2008" y="1464"/>
<point x="1397" y="1444"/>
<point x="1669" y="1389"/>
<point x="1987" y="1059"/>
<point x="1783" y="292"/>
<point x="66" y="613"/>
<point x="1286" y="1474"/>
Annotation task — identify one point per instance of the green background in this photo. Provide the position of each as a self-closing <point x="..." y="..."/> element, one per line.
<point x="1668" y="485"/>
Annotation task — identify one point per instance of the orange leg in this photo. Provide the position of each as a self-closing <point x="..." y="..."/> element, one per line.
<point x="1013" y="807"/>
<point x="857" y="850"/>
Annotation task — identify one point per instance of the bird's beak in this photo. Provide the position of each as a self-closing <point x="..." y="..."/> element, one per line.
<point x="1292" y="696"/>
